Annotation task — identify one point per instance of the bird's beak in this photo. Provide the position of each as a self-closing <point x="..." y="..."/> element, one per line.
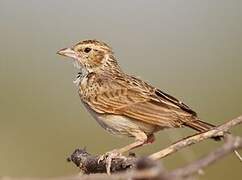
<point x="68" y="52"/>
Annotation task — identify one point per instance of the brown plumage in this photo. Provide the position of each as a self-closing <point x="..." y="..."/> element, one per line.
<point x="123" y="104"/>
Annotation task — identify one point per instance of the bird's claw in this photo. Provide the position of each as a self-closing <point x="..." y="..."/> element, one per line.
<point x="108" y="157"/>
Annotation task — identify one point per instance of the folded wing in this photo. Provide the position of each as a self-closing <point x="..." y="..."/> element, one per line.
<point x="138" y="100"/>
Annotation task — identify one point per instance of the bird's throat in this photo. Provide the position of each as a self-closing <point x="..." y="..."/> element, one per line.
<point x="82" y="72"/>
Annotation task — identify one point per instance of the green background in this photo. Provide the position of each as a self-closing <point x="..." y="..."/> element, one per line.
<point x="190" y="49"/>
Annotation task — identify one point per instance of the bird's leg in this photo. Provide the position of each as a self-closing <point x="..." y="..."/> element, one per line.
<point x="141" y="139"/>
<point x="133" y="145"/>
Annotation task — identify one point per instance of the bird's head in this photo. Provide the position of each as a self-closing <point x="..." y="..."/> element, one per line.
<point x="92" y="55"/>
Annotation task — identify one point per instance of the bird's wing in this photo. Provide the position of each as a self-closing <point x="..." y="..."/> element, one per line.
<point x="140" y="101"/>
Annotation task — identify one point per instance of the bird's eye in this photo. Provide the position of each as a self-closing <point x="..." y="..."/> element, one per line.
<point x="87" y="50"/>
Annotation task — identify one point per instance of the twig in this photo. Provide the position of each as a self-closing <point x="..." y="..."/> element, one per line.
<point x="238" y="155"/>
<point x="231" y="144"/>
<point x="196" y="138"/>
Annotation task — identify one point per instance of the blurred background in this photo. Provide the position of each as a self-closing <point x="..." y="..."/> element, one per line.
<point x="190" y="49"/>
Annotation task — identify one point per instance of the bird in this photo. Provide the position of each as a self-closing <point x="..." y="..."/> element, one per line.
<point x="124" y="104"/>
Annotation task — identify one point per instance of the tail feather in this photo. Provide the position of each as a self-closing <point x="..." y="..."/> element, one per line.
<point x="202" y="126"/>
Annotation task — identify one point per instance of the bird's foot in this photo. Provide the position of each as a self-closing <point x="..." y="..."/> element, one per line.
<point x="108" y="157"/>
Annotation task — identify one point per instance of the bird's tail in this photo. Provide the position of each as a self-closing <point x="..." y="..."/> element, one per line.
<point x="202" y="126"/>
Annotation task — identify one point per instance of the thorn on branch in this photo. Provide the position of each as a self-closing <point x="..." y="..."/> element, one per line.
<point x="238" y="155"/>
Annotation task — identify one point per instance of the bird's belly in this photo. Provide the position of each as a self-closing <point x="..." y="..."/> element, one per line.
<point x="121" y="125"/>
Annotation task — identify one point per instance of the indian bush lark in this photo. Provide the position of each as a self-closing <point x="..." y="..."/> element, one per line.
<point x="123" y="104"/>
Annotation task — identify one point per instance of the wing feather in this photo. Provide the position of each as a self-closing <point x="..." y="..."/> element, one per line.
<point x="143" y="103"/>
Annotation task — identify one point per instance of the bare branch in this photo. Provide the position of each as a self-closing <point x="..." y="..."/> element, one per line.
<point x="147" y="168"/>
<point x="231" y="144"/>
<point x="88" y="163"/>
<point x="217" y="131"/>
